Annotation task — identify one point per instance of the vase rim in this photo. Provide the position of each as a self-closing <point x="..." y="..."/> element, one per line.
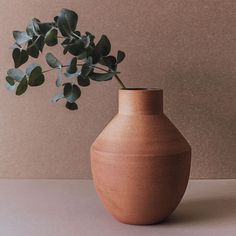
<point x="140" y="89"/>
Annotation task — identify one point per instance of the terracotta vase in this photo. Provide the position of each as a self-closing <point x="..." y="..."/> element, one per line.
<point x="140" y="161"/>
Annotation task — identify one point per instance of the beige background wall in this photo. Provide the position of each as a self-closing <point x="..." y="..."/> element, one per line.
<point x="186" y="47"/>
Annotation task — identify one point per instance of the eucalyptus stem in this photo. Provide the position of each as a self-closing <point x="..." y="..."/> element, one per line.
<point x="120" y="82"/>
<point x="96" y="67"/>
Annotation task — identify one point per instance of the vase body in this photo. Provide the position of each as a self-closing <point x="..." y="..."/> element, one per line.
<point x="140" y="162"/>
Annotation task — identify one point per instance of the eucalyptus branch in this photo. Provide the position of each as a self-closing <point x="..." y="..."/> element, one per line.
<point x="81" y="46"/>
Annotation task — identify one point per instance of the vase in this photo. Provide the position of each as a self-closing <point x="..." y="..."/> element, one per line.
<point x="140" y="162"/>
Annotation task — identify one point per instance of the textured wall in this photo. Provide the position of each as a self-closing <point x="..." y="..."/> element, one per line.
<point x="186" y="47"/>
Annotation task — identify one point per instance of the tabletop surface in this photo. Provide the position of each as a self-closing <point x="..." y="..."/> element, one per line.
<point x="72" y="208"/>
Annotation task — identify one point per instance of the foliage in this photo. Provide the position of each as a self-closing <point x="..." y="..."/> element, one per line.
<point x="89" y="60"/>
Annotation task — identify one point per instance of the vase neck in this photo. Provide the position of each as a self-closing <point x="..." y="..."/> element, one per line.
<point x="140" y="101"/>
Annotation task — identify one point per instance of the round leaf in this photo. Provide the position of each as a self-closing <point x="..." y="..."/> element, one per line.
<point x="10" y="80"/>
<point x="67" y="21"/>
<point x="22" y="87"/>
<point x="53" y="61"/>
<point x="103" y="46"/>
<point x="36" y="77"/>
<point x="72" y="66"/>
<point x="20" y="57"/>
<point x="51" y="37"/>
<point x="101" y="76"/>
<point x="71" y="106"/>
<point x="120" y="56"/>
<point x="83" y="81"/>
<point x="16" y="74"/>
<point x="21" y="37"/>
<point x="33" y="49"/>
<point x="71" y="92"/>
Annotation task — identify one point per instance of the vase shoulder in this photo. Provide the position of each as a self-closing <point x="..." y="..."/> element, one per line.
<point x="142" y="135"/>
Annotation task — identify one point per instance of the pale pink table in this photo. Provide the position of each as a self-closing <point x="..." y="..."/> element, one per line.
<point x="71" y="208"/>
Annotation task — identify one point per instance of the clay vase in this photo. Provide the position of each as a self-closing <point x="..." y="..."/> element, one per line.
<point x="140" y="162"/>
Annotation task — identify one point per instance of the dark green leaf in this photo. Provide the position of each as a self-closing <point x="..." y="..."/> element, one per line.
<point x="51" y="37"/>
<point x="71" y="92"/>
<point x="101" y="76"/>
<point x="72" y="66"/>
<point x="75" y="48"/>
<point x="22" y="87"/>
<point x="16" y="74"/>
<point x="31" y="67"/>
<point x="103" y="46"/>
<point x="109" y="61"/>
<point x="36" y="77"/>
<point x="20" y="57"/>
<point x="86" y="69"/>
<point x="21" y="37"/>
<point x="53" y="61"/>
<point x="71" y="106"/>
<point x="32" y="49"/>
<point x="120" y="56"/>
<point x="57" y="97"/>
<point x="45" y="27"/>
<point x="83" y="81"/>
<point x="39" y="42"/>
<point x="10" y="80"/>
<point x="67" y="21"/>
<point x="95" y="55"/>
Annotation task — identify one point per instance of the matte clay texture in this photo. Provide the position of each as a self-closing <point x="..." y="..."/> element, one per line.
<point x="140" y="161"/>
<point x="185" y="47"/>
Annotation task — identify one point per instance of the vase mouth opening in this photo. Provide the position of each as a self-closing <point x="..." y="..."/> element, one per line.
<point x="140" y="89"/>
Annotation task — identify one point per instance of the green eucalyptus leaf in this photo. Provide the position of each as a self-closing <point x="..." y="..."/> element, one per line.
<point x="33" y="28"/>
<point x="57" y="97"/>
<point x="39" y="43"/>
<point x="59" y="78"/>
<point x="75" y="48"/>
<point x="22" y="87"/>
<point x="51" y="37"/>
<point x="83" y="81"/>
<point x="109" y="61"/>
<point x="10" y="80"/>
<point x="21" y="37"/>
<point x="101" y="76"/>
<point x="71" y="106"/>
<point x="120" y="56"/>
<point x="31" y="67"/>
<point x="32" y="49"/>
<point x="86" y="69"/>
<point x="53" y="61"/>
<point x="45" y="27"/>
<point x="16" y="74"/>
<point x="67" y="21"/>
<point x="71" y="92"/>
<point x="72" y="66"/>
<point x="20" y="57"/>
<point x="36" y="77"/>
<point x="103" y="46"/>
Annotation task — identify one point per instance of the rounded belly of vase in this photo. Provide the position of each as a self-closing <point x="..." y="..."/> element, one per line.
<point x="140" y="189"/>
